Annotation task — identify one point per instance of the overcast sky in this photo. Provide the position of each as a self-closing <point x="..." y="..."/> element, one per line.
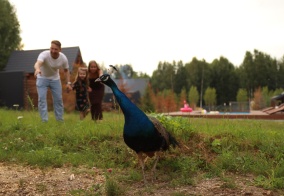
<point x="142" y="33"/>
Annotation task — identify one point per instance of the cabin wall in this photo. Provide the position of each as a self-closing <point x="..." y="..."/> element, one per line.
<point x="12" y="89"/>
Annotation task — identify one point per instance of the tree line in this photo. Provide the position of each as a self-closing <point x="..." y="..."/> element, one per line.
<point x="257" y="79"/>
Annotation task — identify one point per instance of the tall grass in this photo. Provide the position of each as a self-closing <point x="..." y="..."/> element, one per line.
<point x="208" y="146"/>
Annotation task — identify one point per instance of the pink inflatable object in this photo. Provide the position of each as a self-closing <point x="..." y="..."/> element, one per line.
<point x="185" y="108"/>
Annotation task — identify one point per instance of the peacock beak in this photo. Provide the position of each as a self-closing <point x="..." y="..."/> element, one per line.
<point x="98" y="80"/>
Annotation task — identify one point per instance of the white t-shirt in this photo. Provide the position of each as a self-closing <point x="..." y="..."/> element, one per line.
<point x="50" y="67"/>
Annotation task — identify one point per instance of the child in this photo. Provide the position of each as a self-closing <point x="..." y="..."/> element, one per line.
<point x="81" y="86"/>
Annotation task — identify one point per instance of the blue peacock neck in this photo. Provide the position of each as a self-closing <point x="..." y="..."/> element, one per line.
<point x="137" y="123"/>
<point x="129" y="109"/>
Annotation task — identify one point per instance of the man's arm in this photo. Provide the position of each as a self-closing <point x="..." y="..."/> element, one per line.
<point x="67" y="76"/>
<point x="37" y="66"/>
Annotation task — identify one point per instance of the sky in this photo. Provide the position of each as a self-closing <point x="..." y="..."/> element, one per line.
<point x="144" y="32"/>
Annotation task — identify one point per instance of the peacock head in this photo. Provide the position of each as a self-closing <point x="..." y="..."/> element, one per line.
<point x="106" y="79"/>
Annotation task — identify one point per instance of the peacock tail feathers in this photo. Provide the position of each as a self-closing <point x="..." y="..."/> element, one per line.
<point x="170" y="140"/>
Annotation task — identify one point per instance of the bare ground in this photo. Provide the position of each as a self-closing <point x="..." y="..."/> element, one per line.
<point x="19" y="180"/>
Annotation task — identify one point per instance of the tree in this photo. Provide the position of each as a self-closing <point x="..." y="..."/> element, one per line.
<point x="140" y="75"/>
<point x="159" y="102"/>
<point x="182" y="97"/>
<point x="180" y="78"/>
<point x="163" y="77"/>
<point x="169" y="100"/>
<point x="280" y="73"/>
<point x="278" y="91"/>
<point x="266" y="96"/>
<point x="147" y="102"/>
<point x="210" y="97"/>
<point x="257" y="99"/>
<point x="259" y="70"/>
<point x="242" y="95"/>
<point x="224" y="80"/>
<point x="193" y="96"/>
<point x="10" y="39"/>
<point x="247" y="74"/>
<point x="198" y="75"/>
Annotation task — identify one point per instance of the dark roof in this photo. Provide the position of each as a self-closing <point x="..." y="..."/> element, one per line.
<point x="24" y="60"/>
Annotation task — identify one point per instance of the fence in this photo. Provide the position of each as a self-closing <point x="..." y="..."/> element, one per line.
<point x="233" y="106"/>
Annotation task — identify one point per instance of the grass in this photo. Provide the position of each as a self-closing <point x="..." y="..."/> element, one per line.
<point x="209" y="148"/>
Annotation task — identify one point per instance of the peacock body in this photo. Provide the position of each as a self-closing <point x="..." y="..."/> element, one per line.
<point x="141" y="133"/>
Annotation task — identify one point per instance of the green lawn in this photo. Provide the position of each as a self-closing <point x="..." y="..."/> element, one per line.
<point x="209" y="147"/>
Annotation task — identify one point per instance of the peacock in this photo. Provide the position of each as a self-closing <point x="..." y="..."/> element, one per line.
<point x="143" y="134"/>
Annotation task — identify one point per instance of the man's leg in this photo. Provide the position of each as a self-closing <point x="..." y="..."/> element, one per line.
<point x="42" y="85"/>
<point x="56" y="90"/>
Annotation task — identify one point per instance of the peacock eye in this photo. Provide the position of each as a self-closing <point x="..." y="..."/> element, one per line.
<point x="104" y="77"/>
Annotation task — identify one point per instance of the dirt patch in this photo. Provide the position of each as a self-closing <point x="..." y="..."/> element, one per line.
<point x="19" y="180"/>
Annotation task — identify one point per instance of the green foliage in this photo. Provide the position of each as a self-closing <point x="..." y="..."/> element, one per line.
<point x="180" y="78"/>
<point x="163" y="77"/>
<point x="259" y="70"/>
<point x="113" y="188"/>
<point x="48" y="156"/>
<point x="210" y="97"/>
<point x="133" y="175"/>
<point x="242" y="95"/>
<point x="224" y="79"/>
<point x="185" y="168"/>
<point x="262" y="97"/>
<point x="279" y="73"/>
<point x="272" y="180"/>
<point x="183" y="97"/>
<point x="193" y="96"/>
<point x="9" y="32"/>
<point x="278" y="91"/>
<point x="266" y="96"/>
<point x="229" y="183"/>
<point x="177" y="125"/>
<point x="147" y="100"/>
<point x="198" y="74"/>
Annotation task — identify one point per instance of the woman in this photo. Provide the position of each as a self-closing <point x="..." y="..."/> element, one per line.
<point x="96" y="93"/>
